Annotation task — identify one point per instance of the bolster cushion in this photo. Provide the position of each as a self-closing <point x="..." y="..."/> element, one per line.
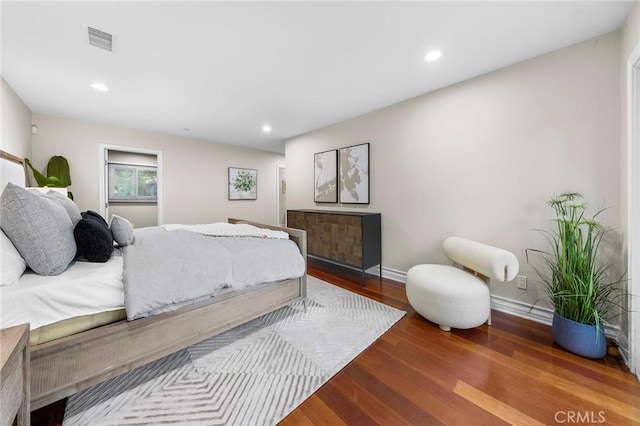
<point x="490" y="261"/>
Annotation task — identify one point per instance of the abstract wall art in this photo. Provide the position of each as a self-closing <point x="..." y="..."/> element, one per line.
<point x="354" y="174"/>
<point x="326" y="176"/>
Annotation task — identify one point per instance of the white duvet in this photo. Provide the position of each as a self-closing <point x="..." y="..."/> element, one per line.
<point x="87" y="288"/>
<point x="84" y="289"/>
<point x="165" y="270"/>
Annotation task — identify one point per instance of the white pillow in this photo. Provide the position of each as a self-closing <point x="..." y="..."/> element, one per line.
<point x="12" y="265"/>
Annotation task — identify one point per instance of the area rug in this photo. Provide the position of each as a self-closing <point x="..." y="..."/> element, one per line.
<point x="254" y="374"/>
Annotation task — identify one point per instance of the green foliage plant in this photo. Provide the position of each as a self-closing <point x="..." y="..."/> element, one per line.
<point x="58" y="166"/>
<point x="574" y="278"/>
<point x="58" y="175"/>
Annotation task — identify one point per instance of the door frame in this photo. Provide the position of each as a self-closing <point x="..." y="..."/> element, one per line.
<point x="279" y="168"/>
<point x="102" y="177"/>
<point x="633" y="208"/>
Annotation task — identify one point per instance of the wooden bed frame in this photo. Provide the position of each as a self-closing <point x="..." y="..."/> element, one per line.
<point x="65" y="366"/>
<point x="62" y="367"/>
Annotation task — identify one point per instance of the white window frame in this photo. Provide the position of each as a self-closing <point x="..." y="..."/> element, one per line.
<point x="113" y="198"/>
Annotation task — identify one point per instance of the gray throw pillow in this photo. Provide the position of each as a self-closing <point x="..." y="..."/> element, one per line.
<point x="39" y="228"/>
<point x="68" y="204"/>
<point x="122" y="230"/>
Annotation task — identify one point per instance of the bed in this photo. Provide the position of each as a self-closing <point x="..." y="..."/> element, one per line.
<point x="65" y="365"/>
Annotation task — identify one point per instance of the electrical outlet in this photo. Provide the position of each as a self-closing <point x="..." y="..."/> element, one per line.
<point x="522" y="282"/>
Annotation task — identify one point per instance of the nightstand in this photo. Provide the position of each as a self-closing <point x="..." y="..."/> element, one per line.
<point x="14" y="375"/>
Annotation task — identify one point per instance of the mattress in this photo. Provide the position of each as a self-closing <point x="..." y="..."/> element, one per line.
<point x="83" y="290"/>
<point x="70" y="326"/>
<point x="88" y="295"/>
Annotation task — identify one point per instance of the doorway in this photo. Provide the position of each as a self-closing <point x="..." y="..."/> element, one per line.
<point x="131" y="184"/>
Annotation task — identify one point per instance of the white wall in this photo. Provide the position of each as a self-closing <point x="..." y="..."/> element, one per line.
<point x="480" y="159"/>
<point x="195" y="171"/>
<point x="15" y="125"/>
<point x="630" y="41"/>
<point x="630" y="38"/>
<point x="630" y="34"/>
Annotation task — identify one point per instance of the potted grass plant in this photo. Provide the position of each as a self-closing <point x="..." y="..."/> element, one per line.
<point x="575" y="278"/>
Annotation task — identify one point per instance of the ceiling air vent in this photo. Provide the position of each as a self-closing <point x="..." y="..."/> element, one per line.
<point x="100" y="39"/>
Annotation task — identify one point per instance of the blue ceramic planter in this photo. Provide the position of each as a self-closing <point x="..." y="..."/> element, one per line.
<point x="581" y="339"/>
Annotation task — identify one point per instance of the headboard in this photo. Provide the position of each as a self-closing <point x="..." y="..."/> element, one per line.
<point x="11" y="170"/>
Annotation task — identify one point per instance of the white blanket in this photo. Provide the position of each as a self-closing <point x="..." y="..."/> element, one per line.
<point x="86" y="288"/>
<point x="224" y="229"/>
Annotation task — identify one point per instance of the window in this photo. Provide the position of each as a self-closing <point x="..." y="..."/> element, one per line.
<point x="132" y="183"/>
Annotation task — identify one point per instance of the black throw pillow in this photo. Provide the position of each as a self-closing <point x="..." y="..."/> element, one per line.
<point x="96" y="216"/>
<point x="93" y="237"/>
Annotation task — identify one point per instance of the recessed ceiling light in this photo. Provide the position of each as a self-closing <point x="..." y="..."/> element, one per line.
<point x="266" y="128"/>
<point x="100" y="87"/>
<point x="434" y="55"/>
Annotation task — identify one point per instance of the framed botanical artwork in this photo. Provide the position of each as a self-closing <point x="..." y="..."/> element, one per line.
<point x="325" y="177"/>
<point x="243" y="184"/>
<point x="354" y="174"/>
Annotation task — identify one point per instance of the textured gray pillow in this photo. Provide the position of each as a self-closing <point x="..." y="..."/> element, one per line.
<point x="68" y="204"/>
<point x="122" y="230"/>
<point x="39" y="228"/>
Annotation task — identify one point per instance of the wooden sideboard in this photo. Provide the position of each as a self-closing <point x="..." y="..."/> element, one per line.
<point x="348" y="238"/>
<point x="14" y="372"/>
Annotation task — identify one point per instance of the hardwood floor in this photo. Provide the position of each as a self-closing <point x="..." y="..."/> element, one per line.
<point x="416" y="374"/>
<point x="509" y="373"/>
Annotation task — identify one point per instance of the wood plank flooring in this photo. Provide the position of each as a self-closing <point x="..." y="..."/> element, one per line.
<point x="416" y="374"/>
<point x="508" y="373"/>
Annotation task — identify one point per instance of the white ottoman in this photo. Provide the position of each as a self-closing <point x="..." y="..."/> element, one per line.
<point x="448" y="296"/>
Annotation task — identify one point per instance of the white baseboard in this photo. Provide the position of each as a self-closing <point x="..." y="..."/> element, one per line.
<point x="513" y="307"/>
<point x="539" y="314"/>
<point x="391" y="274"/>
<point x="623" y="349"/>
<point x="523" y="310"/>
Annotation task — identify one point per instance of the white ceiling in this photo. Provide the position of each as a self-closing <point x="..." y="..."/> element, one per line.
<point x="223" y="69"/>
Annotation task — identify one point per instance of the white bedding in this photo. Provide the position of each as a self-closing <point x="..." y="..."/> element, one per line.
<point x="223" y="229"/>
<point x="164" y="270"/>
<point x="85" y="288"/>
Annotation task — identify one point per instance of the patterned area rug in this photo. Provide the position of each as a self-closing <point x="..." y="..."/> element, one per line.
<point x="254" y="374"/>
